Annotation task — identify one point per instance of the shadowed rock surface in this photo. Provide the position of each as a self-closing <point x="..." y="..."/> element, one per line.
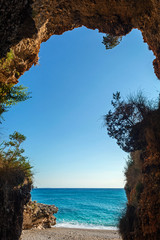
<point x="142" y="217"/>
<point x="12" y="200"/>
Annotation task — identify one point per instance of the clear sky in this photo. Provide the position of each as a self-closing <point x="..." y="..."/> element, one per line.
<point x="72" y="87"/>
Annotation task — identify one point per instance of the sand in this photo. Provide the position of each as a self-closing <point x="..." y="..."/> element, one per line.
<point x="70" y="234"/>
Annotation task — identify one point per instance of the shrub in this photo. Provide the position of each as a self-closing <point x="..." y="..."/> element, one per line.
<point x="11" y="95"/>
<point x="14" y="167"/>
<point x="111" y="41"/>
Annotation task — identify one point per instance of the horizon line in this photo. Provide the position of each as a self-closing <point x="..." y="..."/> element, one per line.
<point x="78" y="188"/>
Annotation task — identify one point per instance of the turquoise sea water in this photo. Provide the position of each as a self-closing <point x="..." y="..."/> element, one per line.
<point x="84" y="208"/>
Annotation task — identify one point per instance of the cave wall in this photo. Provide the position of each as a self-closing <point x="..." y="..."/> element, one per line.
<point x="12" y="201"/>
<point x="25" y="24"/>
<point x="141" y="219"/>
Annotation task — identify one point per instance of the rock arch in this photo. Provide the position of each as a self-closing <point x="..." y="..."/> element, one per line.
<point x="25" y="24"/>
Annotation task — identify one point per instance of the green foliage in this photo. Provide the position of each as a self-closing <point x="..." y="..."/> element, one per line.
<point x="10" y="55"/>
<point x="133" y="175"/>
<point x="125" y="122"/>
<point x="129" y="164"/>
<point x="12" y="158"/>
<point x="17" y="74"/>
<point x="111" y="41"/>
<point x="11" y="95"/>
<point x="5" y="62"/>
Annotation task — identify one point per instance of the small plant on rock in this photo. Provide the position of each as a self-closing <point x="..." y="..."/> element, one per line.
<point x="13" y="164"/>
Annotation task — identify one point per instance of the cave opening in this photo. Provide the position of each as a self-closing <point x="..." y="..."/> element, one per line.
<point x="24" y="27"/>
<point x="71" y="91"/>
<point x="72" y="86"/>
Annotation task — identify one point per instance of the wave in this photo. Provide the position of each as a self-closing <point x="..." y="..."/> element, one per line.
<point x="84" y="226"/>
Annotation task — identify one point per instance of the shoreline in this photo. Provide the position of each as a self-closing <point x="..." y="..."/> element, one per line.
<point x="57" y="233"/>
<point x="84" y="226"/>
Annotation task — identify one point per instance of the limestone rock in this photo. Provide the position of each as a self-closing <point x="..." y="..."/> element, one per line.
<point x="38" y="215"/>
<point x="25" y="24"/>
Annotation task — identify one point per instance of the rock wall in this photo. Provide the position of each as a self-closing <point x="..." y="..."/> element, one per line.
<point x="25" y="24"/>
<point x="12" y="201"/>
<point x="37" y="215"/>
<point x="142" y="217"/>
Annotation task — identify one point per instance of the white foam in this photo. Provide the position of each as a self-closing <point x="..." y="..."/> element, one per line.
<point x="84" y="226"/>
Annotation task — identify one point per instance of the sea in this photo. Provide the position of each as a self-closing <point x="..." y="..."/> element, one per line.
<point x="84" y="208"/>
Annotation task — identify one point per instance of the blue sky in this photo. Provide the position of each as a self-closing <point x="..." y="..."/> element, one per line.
<point x="72" y="88"/>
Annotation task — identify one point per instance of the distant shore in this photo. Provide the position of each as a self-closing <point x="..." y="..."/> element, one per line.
<point x="70" y="234"/>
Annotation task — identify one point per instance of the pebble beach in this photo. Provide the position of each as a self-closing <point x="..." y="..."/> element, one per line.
<point x="70" y="234"/>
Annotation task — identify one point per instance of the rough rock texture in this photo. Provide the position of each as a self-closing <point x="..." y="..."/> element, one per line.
<point x="12" y="200"/>
<point x="24" y="24"/>
<point x="142" y="218"/>
<point x="149" y="204"/>
<point x="37" y="215"/>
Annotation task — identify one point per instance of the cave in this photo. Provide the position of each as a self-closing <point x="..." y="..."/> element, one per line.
<point x="26" y="24"/>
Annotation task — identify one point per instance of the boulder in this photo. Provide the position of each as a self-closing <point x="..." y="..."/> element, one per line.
<point x="38" y="215"/>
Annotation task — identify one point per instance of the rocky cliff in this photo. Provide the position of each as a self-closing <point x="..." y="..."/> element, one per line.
<point x="12" y="201"/>
<point x="37" y="215"/>
<point x="25" y="24"/>
<point x="135" y="124"/>
<point x="142" y="217"/>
